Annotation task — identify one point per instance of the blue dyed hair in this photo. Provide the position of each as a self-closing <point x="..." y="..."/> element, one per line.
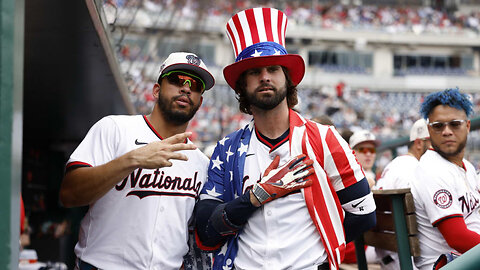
<point x="449" y="97"/>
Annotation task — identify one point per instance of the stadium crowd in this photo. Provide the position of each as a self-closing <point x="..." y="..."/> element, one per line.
<point x="353" y="109"/>
<point x="328" y="15"/>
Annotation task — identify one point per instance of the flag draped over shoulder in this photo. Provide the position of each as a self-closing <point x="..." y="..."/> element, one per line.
<point x="335" y="169"/>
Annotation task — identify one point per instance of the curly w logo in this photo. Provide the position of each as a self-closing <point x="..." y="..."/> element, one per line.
<point x="193" y="59"/>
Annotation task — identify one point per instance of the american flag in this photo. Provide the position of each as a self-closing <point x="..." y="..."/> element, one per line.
<point x="335" y="169"/>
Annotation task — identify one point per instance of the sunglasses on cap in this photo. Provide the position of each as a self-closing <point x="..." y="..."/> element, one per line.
<point x="365" y="150"/>
<point x="453" y="125"/>
<point x="180" y="78"/>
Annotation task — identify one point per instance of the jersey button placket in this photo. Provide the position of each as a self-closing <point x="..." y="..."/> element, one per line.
<point x="270" y="220"/>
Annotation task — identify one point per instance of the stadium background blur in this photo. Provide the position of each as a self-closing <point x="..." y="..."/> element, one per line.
<point x="369" y="65"/>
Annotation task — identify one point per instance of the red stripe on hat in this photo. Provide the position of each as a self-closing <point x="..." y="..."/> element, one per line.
<point x="238" y="26"/>
<point x="267" y="18"/>
<point x="279" y="28"/>
<point x="232" y="37"/>
<point x="341" y="160"/>
<point x="253" y="25"/>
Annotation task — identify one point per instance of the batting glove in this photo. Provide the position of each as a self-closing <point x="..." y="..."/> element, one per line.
<point x="279" y="181"/>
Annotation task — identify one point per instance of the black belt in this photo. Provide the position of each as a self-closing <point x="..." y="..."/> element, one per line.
<point x="387" y="259"/>
<point x="324" y="266"/>
<point x="82" y="265"/>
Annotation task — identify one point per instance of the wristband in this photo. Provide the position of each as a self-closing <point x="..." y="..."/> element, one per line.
<point x="221" y="223"/>
<point x="260" y="194"/>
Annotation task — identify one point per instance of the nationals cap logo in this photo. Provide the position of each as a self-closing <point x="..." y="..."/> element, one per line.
<point x="443" y="198"/>
<point x="193" y="59"/>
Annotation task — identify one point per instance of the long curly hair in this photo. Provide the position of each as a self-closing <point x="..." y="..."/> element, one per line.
<point x="241" y="92"/>
<point x="450" y="97"/>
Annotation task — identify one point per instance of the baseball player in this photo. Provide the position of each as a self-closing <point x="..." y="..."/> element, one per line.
<point x="400" y="171"/>
<point x="283" y="191"/>
<point x="141" y="176"/>
<point x="445" y="187"/>
<point x="398" y="174"/>
<point x="364" y="143"/>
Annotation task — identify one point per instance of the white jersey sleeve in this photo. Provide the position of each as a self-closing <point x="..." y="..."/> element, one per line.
<point x="98" y="146"/>
<point x="398" y="173"/>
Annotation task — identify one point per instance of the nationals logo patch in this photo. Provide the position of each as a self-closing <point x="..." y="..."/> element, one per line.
<point x="443" y="198"/>
<point x="193" y="60"/>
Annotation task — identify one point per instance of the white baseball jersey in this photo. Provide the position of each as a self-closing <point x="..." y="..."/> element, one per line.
<point x="442" y="189"/>
<point x="142" y="222"/>
<point x="281" y="232"/>
<point x="398" y="173"/>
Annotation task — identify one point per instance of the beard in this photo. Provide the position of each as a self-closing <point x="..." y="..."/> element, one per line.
<point x="451" y="153"/>
<point x="267" y="102"/>
<point x="176" y="117"/>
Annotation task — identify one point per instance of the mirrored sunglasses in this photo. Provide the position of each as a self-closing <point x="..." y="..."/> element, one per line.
<point x="365" y="150"/>
<point x="180" y="78"/>
<point x="453" y="125"/>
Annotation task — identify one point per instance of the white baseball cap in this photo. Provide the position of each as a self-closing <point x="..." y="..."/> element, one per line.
<point x="209" y="150"/>
<point x="187" y="61"/>
<point x="362" y="136"/>
<point x="419" y="130"/>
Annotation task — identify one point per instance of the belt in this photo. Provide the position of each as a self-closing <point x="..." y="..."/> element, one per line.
<point x="324" y="266"/>
<point x="387" y="259"/>
<point x="82" y="265"/>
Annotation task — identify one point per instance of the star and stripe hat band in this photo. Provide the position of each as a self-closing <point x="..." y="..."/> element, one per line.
<point x="258" y="39"/>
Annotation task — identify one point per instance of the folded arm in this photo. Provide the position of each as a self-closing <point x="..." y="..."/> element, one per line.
<point x="457" y="235"/>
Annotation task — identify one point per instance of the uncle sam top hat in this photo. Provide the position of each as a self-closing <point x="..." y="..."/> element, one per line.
<point x="258" y="39"/>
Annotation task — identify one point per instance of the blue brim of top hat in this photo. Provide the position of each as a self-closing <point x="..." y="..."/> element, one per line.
<point x="292" y="62"/>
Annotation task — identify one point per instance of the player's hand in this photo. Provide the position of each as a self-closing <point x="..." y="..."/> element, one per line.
<point x="158" y="154"/>
<point x="279" y="181"/>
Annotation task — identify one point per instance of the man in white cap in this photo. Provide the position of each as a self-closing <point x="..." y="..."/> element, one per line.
<point x="398" y="174"/>
<point x="364" y="143"/>
<point x="283" y="192"/>
<point x="400" y="171"/>
<point x="141" y="176"/>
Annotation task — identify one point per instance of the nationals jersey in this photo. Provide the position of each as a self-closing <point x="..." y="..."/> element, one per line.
<point x="398" y="173"/>
<point x="142" y="222"/>
<point x="291" y="237"/>
<point x="442" y="190"/>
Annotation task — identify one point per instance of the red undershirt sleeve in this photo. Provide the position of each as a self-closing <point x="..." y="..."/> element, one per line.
<point x="457" y="235"/>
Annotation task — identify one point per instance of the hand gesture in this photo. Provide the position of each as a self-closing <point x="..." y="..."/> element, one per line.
<point x="279" y="181"/>
<point x="158" y="154"/>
